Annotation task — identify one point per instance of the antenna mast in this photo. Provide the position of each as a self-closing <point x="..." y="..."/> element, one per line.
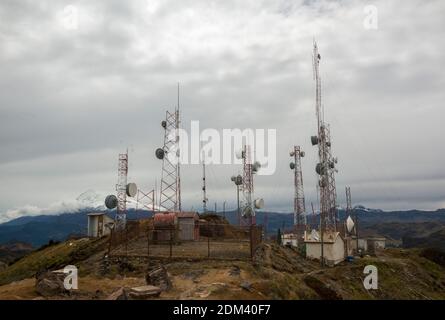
<point x="299" y="204"/>
<point x="170" y="192"/>
<point x="121" y="213"/>
<point x="248" y="212"/>
<point x="204" y="196"/>
<point x="326" y="165"/>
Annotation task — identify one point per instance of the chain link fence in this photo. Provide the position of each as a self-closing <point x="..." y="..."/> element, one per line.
<point x="205" y="240"/>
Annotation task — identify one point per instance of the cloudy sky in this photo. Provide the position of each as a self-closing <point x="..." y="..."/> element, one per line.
<point x="81" y="81"/>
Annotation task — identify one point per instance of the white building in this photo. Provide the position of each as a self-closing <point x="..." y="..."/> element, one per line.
<point x="99" y="225"/>
<point x="290" y="239"/>
<point x="370" y="244"/>
<point x="333" y="247"/>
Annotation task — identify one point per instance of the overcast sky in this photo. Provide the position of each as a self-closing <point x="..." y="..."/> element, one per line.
<point x="75" y="93"/>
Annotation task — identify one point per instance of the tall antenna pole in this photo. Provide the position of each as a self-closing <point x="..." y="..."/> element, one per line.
<point x="178" y="123"/>
<point x="121" y="213"/>
<point x="349" y="211"/>
<point x="326" y="165"/>
<point x="204" y="196"/>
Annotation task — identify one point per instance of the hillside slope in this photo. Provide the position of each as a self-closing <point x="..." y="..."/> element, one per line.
<point x="277" y="273"/>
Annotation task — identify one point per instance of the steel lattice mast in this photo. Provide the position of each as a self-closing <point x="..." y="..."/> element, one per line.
<point x="121" y="213"/>
<point x="248" y="211"/>
<point x="326" y="165"/>
<point x="170" y="192"/>
<point x="299" y="204"/>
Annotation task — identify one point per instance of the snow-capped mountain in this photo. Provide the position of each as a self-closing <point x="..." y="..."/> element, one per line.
<point x="86" y="200"/>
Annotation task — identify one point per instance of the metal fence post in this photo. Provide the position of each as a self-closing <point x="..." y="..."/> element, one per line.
<point x="148" y="243"/>
<point x="208" y="239"/>
<point x="171" y="242"/>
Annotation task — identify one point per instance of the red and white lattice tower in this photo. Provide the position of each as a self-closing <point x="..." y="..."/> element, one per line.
<point x="121" y="213"/>
<point x="248" y="210"/>
<point x="299" y="205"/>
<point x="326" y="165"/>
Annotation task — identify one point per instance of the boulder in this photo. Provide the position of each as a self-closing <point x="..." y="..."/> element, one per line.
<point x="159" y="278"/>
<point x="50" y="283"/>
<point x="143" y="292"/>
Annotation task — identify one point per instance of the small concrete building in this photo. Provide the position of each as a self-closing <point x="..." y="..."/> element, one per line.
<point x="333" y="247"/>
<point x="290" y="239"/>
<point x="188" y="225"/>
<point x="375" y="244"/>
<point x="99" y="224"/>
<point x="369" y="244"/>
<point x="164" y="226"/>
<point x="182" y="226"/>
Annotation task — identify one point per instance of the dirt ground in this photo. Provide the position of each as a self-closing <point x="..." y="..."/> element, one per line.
<point x="276" y="273"/>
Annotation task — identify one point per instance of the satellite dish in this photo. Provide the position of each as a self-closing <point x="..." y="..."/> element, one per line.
<point x="256" y="166"/>
<point x="331" y="165"/>
<point x="239" y="180"/>
<point x="292" y="153"/>
<point x="233" y="178"/>
<point x="328" y="143"/>
<point x="248" y="212"/>
<point x="349" y="223"/>
<point x="239" y="154"/>
<point x="160" y="153"/>
<point x="164" y="124"/>
<point x="302" y="154"/>
<point x="292" y="165"/>
<point x="259" y="203"/>
<point x="111" y="201"/>
<point x="132" y="189"/>
<point x="314" y="140"/>
<point x="320" y="169"/>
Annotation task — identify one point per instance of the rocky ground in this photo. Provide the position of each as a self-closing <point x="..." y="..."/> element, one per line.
<point x="276" y="273"/>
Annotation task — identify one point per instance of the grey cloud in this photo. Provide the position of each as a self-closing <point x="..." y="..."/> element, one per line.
<point x="71" y="100"/>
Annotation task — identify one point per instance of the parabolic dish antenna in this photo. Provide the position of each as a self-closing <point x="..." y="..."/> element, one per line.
<point x="132" y="189"/>
<point x="248" y="212"/>
<point x="259" y="203"/>
<point x="349" y="224"/>
<point x="111" y="201"/>
<point x="160" y="153"/>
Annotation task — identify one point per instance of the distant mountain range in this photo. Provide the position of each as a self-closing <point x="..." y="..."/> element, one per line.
<point x="38" y="230"/>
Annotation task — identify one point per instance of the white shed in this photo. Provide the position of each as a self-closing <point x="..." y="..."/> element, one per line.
<point x="333" y="247"/>
<point x="99" y="224"/>
<point x="289" y="239"/>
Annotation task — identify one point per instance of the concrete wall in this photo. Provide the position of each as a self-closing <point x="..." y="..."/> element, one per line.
<point x="292" y="242"/>
<point x="363" y="244"/>
<point x="186" y="229"/>
<point x="333" y="252"/>
<point x="93" y="225"/>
